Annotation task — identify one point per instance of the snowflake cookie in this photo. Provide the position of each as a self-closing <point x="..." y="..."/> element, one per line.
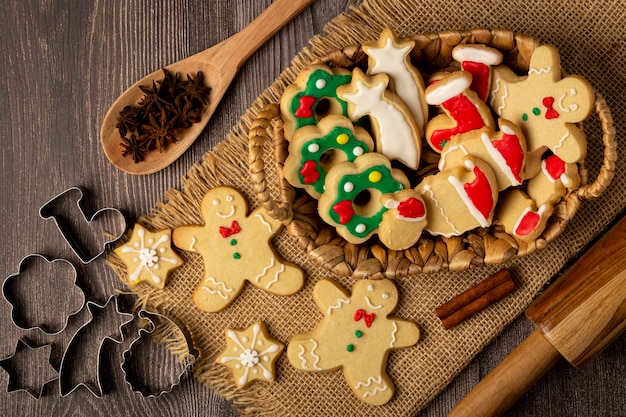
<point x="355" y="335"/>
<point x="250" y="354"/>
<point x="149" y="256"/>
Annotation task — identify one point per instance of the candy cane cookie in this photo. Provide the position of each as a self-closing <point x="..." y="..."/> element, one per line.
<point x="351" y="201"/>
<point x="313" y="150"/>
<point x="312" y="96"/>
<point x="395" y="131"/>
<point x="391" y="56"/>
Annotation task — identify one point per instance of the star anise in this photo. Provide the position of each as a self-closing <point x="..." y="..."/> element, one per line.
<point x="196" y="90"/>
<point x="134" y="148"/>
<point x="159" y="133"/>
<point x="128" y="121"/>
<point x="152" y="100"/>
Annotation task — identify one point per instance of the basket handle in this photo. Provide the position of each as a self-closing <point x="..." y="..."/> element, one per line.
<point x="259" y="134"/>
<point x="607" y="171"/>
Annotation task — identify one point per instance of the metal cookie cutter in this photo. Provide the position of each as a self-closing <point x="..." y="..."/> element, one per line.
<point x="41" y="278"/>
<point x="26" y="370"/>
<point x="130" y="355"/>
<point x="102" y="317"/>
<point x="87" y="237"/>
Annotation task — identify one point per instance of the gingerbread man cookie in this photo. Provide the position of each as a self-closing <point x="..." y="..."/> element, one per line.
<point x="391" y="56"/>
<point x="351" y="201"/>
<point x="312" y="96"/>
<point x="356" y="335"/>
<point x="545" y="106"/>
<point x="314" y="149"/>
<point x="236" y="247"/>
<point x="149" y="256"/>
<point x="250" y="354"/>
<point x="395" y="131"/>
<point x="460" y="199"/>
<point x="463" y="109"/>
<point x="504" y="151"/>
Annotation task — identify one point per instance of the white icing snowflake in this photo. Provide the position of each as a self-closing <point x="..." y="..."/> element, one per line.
<point x="250" y="354"/>
<point x="149" y="256"/>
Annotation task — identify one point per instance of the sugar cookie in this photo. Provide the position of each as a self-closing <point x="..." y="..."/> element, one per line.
<point x="355" y="335"/>
<point x="351" y="201"/>
<point x="312" y="96"/>
<point x="250" y="354"/>
<point x="395" y="131"/>
<point x="520" y="216"/>
<point x="460" y="199"/>
<point x="314" y="149"/>
<point x="478" y="60"/>
<point x="545" y="106"/>
<point x="403" y="222"/>
<point x="554" y="179"/>
<point x="149" y="256"/>
<point x="391" y="56"/>
<point x="236" y="247"/>
<point x="464" y="111"/>
<point x="504" y="151"/>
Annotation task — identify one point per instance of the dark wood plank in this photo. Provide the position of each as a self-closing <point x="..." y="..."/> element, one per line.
<point x="64" y="63"/>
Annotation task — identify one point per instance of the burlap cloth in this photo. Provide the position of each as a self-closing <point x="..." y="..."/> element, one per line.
<point x="591" y="37"/>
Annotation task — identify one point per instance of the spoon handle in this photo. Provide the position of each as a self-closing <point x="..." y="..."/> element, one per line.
<point x="261" y="29"/>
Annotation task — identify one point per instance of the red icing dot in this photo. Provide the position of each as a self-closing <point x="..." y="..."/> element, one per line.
<point x="345" y="211"/>
<point x="548" y="102"/>
<point x="528" y="223"/>
<point x="412" y="208"/>
<point x="479" y="193"/>
<point x="555" y="166"/>
<point x="305" y="110"/>
<point x="309" y="172"/>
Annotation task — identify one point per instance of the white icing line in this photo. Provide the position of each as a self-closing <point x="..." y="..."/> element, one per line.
<point x="192" y="247"/>
<point x="315" y="356"/>
<point x="540" y="71"/>
<point x="340" y="301"/>
<point x="393" y="334"/>
<point x="561" y="141"/>
<point x="302" y="358"/>
<point x="455" y="231"/>
<point x="231" y="213"/>
<point x="218" y="283"/>
<point x="267" y="268"/>
<point x="272" y="282"/>
<point x="265" y="222"/>
<point x="369" y="303"/>
<point x="375" y="391"/>
<point x="476" y="214"/>
<point x="499" y="159"/>
<point x="369" y="382"/>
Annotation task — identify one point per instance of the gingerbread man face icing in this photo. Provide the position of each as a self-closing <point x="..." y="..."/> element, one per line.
<point x="545" y="106"/>
<point x="236" y="247"/>
<point x="356" y="335"/>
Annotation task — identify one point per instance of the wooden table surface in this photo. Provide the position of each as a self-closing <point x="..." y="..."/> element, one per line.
<point x="63" y="62"/>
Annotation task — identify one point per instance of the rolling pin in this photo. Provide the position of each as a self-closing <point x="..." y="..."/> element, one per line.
<point x="575" y="318"/>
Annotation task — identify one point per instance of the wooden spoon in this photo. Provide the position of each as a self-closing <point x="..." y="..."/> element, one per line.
<point x="219" y="64"/>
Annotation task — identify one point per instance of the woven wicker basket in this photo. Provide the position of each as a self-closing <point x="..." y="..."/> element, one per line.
<point x="489" y="245"/>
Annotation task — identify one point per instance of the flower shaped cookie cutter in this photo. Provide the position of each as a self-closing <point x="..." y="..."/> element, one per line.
<point x="48" y="273"/>
<point x="86" y="236"/>
<point x="190" y="356"/>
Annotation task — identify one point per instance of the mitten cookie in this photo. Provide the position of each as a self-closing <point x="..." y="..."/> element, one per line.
<point x="236" y="247"/>
<point x="312" y="96"/>
<point x="460" y="199"/>
<point x="355" y="335"/>
<point x="395" y="131"/>
<point x="351" y="201"/>
<point x="464" y="111"/>
<point x="313" y="150"/>
<point x="545" y="106"/>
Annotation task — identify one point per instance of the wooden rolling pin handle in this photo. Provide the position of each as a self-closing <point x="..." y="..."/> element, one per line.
<point x="493" y="395"/>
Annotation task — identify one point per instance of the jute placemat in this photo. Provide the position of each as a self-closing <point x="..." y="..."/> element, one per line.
<point x="591" y="37"/>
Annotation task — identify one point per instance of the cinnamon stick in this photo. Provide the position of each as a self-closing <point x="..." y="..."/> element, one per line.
<point x="475" y="299"/>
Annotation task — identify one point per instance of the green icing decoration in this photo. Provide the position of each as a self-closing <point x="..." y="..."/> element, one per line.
<point x="536" y="111"/>
<point x="386" y="185"/>
<point x="350" y="348"/>
<point x="329" y="90"/>
<point x="236" y="255"/>
<point x="325" y="144"/>
<point x="233" y="242"/>
<point x="358" y="334"/>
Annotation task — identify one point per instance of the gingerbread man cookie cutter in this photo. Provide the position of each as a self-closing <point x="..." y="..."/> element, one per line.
<point x="190" y="356"/>
<point x="79" y="234"/>
<point x="36" y="265"/>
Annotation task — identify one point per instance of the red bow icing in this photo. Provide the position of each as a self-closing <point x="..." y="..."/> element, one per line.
<point x="305" y="110"/>
<point x="345" y="211"/>
<point x="309" y="172"/>
<point x="550" y="113"/>
<point x="232" y="230"/>
<point x="368" y="318"/>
